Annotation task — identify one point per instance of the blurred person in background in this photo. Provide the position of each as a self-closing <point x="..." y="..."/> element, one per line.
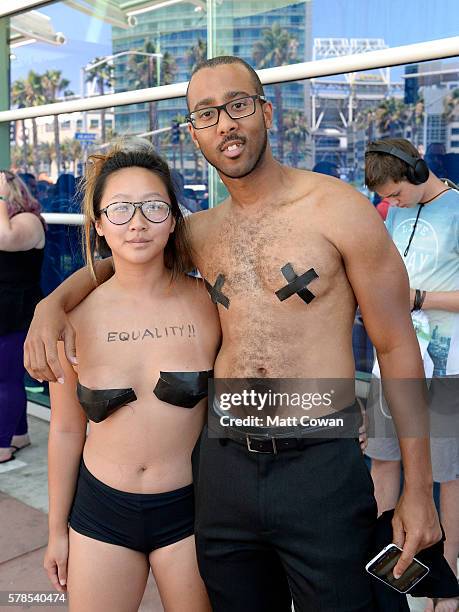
<point x="326" y="167"/>
<point x="22" y="241"/>
<point x="383" y="208"/>
<point x="423" y="221"/>
<point x="30" y="182"/>
<point x="63" y="195"/>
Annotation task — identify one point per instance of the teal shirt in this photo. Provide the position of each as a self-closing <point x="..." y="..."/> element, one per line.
<point x="432" y="264"/>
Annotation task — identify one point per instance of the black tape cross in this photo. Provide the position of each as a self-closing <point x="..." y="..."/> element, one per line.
<point x="297" y="284"/>
<point x="215" y="291"/>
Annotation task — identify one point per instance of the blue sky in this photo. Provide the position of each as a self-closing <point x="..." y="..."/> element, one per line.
<point x="398" y="22"/>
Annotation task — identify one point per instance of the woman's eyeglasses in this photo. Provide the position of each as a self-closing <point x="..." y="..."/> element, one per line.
<point x="120" y="213"/>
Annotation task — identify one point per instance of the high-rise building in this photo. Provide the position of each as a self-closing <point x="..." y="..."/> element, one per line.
<point x="179" y="32"/>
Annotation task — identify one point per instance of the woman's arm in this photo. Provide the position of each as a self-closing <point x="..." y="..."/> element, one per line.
<point x="20" y="233"/>
<point x="67" y="437"/>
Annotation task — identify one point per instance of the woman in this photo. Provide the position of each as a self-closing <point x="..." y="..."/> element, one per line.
<point x="146" y="344"/>
<point x="22" y="241"/>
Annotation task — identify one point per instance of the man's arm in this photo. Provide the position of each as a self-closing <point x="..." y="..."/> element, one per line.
<point x="50" y="323"/>
<point x="380" y="283"/>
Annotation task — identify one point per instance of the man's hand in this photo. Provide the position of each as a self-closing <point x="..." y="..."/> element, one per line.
<point x="415" y="525"/>
<point x="50" y="324"/>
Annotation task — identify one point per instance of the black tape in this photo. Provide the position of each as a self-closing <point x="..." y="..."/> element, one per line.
<point x="215" y="291"/>
<point x="101" y="403"/>
<point x="184" y="389"/>
<point x="297" y="284"/>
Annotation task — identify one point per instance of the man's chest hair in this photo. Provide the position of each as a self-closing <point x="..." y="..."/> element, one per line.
<point x="252" y="253"/>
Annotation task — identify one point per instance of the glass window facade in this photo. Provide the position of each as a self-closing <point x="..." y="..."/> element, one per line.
<point x="121" y="45"/>
<point x="125" y="44"/>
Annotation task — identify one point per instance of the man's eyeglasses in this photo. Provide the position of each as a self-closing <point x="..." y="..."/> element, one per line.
<point x="120" y="213"/>
<point x="236" y="109"/>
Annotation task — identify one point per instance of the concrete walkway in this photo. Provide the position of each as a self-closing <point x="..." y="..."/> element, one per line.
<point x="24" y="525"/>
<point x="24" y="530"/>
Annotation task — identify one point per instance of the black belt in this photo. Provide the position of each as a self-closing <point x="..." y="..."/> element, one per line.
<point x="271" y="445"/>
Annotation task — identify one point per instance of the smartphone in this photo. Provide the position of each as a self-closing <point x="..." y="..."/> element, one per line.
<point x="382" y="565"/>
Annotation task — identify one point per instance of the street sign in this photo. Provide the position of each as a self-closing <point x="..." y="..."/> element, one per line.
<point x="85" y="136"/>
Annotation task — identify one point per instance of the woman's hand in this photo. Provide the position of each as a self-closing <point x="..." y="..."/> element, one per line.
<point x="55" y="562"/>
<point x="4" y="190"/>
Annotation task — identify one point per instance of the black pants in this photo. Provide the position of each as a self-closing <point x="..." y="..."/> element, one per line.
<point x="298" y="525"/>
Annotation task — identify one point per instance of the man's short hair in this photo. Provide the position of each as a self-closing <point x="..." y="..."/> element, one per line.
<point x="227" y="60"/>
<point x="382" y="167"/>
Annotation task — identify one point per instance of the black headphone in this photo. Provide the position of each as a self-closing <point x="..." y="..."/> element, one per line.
<point x="417" y="171"/>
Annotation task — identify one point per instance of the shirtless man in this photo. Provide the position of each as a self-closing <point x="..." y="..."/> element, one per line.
<point x="285" y="520"/>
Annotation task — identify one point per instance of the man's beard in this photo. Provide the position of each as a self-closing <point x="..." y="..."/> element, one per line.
<point x="253" y="167"/>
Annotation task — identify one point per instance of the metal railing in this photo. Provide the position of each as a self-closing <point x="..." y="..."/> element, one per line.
<point x="407" y="54"/>
<point x="63" y="218"/>
<point x="395" y="56"/>
<point x="12" y="7"/>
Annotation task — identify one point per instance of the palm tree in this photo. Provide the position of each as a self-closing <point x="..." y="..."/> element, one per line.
<point x="21" y="157"/>
<point x="365" y="120"/>
<point x="103" y="76"/>
<point x="277" y="48"/>
<point x="416" y="120"/>
<point x="196" y="54"/>
<point x="34" y="97"/>
<point x="451" y="104"/>
<point x="75" y="153"/>
<point x="72" y="152"/>
<point x="141" y="73"/>
<point x="46" y="153"/>
<point x="391" y="117"/>
<point x="296" y="131"/>
<point x="168" y="68"/>
<point x="179" y="119"/>
<point x="16" y="156"/>
<point x="53" y="85"/>
<point x="19" y="98"/>
<point x="65" y="153"/>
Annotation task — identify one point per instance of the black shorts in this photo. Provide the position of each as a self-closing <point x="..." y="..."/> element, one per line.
<point x="140" y="521"/>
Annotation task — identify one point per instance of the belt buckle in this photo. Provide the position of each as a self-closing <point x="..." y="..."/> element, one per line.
<point x="254" y="450"/>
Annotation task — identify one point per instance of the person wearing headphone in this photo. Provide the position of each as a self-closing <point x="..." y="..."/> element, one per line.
<point x="423" y="221"/>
